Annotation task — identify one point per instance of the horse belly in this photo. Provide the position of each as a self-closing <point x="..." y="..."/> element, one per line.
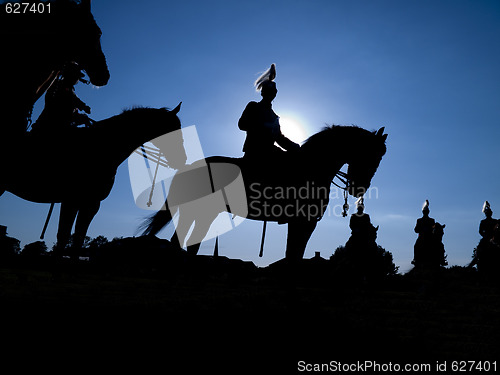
<point x="286" y="210"/>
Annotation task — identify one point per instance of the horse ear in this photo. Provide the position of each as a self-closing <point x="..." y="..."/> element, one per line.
<point x="384" y="137"/>
<point x="381" y="131"/>
<point x="444" y="225"/>
<point x="177" y="109"/>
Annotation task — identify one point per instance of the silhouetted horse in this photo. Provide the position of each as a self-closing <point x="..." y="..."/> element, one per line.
<point x="78" y="169"/>
<point x="429" y="250"/>
<point x="34" y="49"/>
<point x="297" y="193"/>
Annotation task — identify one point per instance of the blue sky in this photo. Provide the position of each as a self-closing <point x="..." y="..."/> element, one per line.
<point x="426" y="70"/>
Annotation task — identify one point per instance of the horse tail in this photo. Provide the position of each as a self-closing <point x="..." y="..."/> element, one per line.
<point x="155" y="223"/>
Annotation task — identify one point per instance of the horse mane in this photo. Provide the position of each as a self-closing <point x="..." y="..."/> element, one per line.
<point x="130" y="113"/>
<point x="339" y="139"/>
<point x="139" y="109"/>
<point x="324" y="137"/>
<point x="137" y="113"/>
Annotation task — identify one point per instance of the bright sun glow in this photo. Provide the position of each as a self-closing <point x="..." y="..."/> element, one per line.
<point x="292" y="129"/>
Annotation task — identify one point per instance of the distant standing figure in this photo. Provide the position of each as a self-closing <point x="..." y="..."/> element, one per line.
<point x="62" y="104"/>
<point x="262" y="125"/>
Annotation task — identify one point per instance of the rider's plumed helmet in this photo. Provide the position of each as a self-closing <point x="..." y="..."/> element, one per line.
<point x="425" y="207"/>
<point x="266" y="78"/>
<point x="486" y="207"/>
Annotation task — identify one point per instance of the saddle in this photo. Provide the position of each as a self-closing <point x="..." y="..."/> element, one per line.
<point x="281" y="190"/>
<point x="282" y="169"/>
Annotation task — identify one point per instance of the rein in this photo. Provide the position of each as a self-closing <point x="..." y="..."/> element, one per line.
<point x="152" y="155"/>
<point x="344" y="179"/>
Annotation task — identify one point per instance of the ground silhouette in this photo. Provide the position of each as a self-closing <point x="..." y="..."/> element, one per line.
<point x="248" y="309"/>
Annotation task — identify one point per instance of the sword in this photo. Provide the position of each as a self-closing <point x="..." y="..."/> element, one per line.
<point x="47" y="220"/>
<point x="263" y="237"/>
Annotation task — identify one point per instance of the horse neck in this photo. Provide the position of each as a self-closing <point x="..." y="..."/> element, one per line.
<point x="115" y="137"/>
<point x="324" y="167"/>
<point x="120" y="135"/>
<point x="343" y="152"/>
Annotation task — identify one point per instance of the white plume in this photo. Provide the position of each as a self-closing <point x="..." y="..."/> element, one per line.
<point x="268" y="75"/>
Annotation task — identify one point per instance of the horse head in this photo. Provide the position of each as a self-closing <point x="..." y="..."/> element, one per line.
<point x="364" y="159"/>
<point x="438" y="231"/>
<point x="87" y="43"/>
<point x="332" y="144"/>
<point x="171" y="144"/>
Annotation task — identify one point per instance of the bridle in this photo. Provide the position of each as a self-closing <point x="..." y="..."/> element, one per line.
<point x="344" y="179"/>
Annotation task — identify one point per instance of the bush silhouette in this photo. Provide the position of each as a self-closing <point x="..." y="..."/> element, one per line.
<point x="9" y="246"/>
<point x="34" y="249"/>
<point x="363" y="261"/>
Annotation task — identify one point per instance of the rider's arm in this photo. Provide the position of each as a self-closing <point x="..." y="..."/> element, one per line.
<point x="482" y="230"/>
<point x="78" y="103"/>
<point x="284" y="142"/>
<point x="247" y="117"/>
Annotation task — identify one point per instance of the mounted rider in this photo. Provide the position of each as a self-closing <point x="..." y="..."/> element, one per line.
<point x="361" y="227"/>
<point x="423" y="228"/>
<point x="486" y="253"/>
<point x="263" y="128"/>
<point x="425" y="224"/>
<point x="62" y="105"/>
<point x="487" y="225"/>
<point x="429" y="250"/>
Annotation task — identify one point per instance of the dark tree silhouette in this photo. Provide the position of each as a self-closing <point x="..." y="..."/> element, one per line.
<point x="9" y="246"/>
<point x="98" y="242"/>
<point x="34" y="249"/>
<point x="362" y="262"/>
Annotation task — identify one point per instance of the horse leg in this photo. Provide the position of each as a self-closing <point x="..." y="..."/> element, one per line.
<point x="193" y="249"/>
<point x="200" y="230"/>
<point x="182" y="228"/>
<point x="174" y="240"/>
<point x="299" y="232"/>
<point x="66" y="219"/>
<point x="83" y="220"/>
